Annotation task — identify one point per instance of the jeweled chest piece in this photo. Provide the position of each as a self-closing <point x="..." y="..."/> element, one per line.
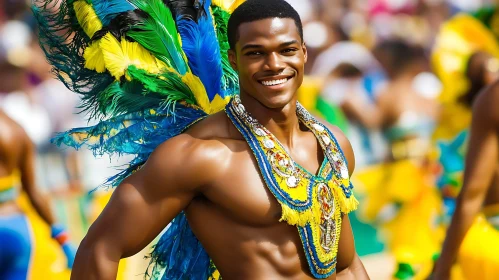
<point x="327" y="224"/>
<point x="308" y="201"/>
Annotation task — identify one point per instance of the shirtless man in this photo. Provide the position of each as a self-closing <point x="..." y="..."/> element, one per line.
<point x="17" y="166"/>
<point x="481" y="186"/>
<point x="210" y="172"/>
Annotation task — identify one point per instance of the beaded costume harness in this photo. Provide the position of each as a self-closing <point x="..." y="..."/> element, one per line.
<point x="312" y="203"/>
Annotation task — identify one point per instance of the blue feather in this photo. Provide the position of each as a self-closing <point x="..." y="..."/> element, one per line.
<point x="199" y="42"/>
<point x="179" y="254"/>
<point x="107" y="10"/>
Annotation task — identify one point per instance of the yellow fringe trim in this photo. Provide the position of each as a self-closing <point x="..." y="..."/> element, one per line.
<point x="313" y="214"/>
<point x="347" y="205"/>
<point x="87" y="18"/>
<point x="297" y="218"/>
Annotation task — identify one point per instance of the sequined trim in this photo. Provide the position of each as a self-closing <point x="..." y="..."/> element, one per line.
<point x="312" y="203"/>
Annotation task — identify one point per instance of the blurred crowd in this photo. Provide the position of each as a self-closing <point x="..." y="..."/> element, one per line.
<point x="369" y="71"/>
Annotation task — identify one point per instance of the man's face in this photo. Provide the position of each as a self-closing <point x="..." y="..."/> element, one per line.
<point x="269" y="57"/>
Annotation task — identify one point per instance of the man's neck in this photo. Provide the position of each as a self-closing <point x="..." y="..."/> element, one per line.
<point x="282" y="122"/>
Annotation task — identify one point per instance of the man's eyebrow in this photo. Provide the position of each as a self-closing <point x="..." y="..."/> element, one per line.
<point x="251" y="46"/>
<point x="255" y="46"/>
<point x="288" y="43"/>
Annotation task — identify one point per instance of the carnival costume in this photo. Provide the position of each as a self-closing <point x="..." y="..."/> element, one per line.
<point x="455" y="43"/>
<point x="25" y="249"/>
<point x="400" y="198"/>
<point x="457" y="40"/>
<point x="151" y="69"/>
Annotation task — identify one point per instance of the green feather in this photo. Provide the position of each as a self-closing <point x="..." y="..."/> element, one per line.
<point x="63" y="41"/>
<point x="158" y="34"/>
<point x="145" y="91"/>
<point x="230" y="80"/>
<point x="168" y="85"/>
<point x="126" y="97"/>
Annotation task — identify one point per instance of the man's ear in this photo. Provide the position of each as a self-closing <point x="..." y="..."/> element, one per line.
<point x="305" y="52"/>
<point x="232" y="59"/>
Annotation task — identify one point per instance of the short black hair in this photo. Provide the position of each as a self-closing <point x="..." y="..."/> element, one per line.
<point x="253" y="10"/>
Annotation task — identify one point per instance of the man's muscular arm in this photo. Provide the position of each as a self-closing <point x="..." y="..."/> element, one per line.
<point x="349" y="265"/>
<point x="481" y="162"/>
<point x="142" y="206"/>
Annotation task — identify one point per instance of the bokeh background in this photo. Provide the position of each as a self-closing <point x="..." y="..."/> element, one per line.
<point x="371" y="71"/>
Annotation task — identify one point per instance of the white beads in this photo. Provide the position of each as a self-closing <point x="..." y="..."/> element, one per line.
<point x="318" y="127"/>
<point x="344" y="172"/>
<point x="335" y="157"/>
<point x="260" y="132"/>
<point x="292" y="182"/>
<point x="326" y="140"/>
<point x="269" y="144"/>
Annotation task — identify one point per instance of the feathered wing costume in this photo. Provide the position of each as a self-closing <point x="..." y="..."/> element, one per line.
<point x="147" y="69"/>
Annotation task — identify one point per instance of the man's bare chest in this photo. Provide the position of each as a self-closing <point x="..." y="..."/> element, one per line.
<point x="242" y="191"/>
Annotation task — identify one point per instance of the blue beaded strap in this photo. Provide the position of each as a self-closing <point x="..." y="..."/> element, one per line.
<point x="319" y="269"/>
<point x="265" y="167"/>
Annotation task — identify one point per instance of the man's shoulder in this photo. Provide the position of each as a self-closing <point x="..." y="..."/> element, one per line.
<point x="216" y="126"/>
<point x="204" y="143"/>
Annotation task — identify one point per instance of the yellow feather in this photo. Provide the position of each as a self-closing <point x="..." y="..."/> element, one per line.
<point x="118" y="56"/>
<point x="94" y="58"/>
<point x="228" y="5"/>
<point x="115" y="60"/>
<point x="139" y="56"/>
<point x="87" y="18"/>
<point x="218" y="104"/>
<point x="198" y="89"/>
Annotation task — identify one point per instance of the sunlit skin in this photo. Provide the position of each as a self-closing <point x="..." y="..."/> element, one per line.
<point x="17" y="153"/>
<point x="481" y="177"/>
<point x="211" y="173"/>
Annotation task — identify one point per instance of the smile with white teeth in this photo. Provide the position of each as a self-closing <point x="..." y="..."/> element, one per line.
<point x="274" y="82"/>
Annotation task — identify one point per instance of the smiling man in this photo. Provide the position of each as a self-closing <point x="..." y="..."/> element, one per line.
<point x="265" y="187"/>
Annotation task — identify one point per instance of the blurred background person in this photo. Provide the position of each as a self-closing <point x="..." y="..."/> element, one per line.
<point x="473" y="235"/>
<point x="17" y="241"/>
<point x="478" y="54"/>
<point x="400" y="196"/>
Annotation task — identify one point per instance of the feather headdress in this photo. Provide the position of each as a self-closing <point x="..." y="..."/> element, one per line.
<point x="147" y="69"/>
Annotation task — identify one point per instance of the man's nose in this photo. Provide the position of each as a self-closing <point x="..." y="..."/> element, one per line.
<point x="274" y="62"/>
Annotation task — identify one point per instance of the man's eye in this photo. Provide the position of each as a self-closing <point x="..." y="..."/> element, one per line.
<point x="254" y="53"/>
<point x="290" y="50"/>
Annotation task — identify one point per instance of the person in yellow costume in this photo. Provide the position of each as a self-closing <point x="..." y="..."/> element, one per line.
<point x="24" y="250"/>
<point x="473" y="235"/>
<point x="400" y="196"/>
<point x="466" y="57"/>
